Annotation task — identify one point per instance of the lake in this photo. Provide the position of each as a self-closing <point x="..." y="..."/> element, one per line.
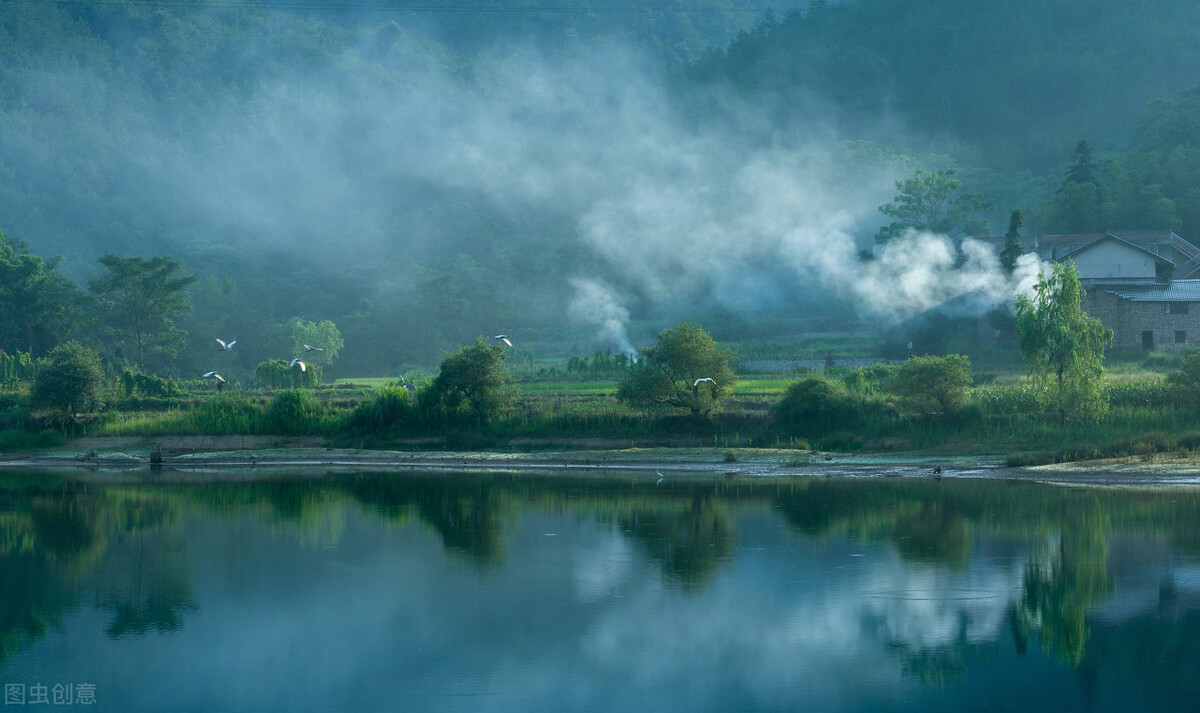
<point x="406" y="591"/>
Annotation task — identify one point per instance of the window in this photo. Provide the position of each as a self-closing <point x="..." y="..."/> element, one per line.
<point x="1180" y="336"/>
<point x="1177" y="308"/>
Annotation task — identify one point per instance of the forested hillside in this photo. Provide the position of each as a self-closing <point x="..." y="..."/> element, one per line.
<point x="561" y="171"/>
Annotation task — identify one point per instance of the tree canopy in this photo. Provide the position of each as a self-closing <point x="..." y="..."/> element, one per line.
<point x="685" y="368"/>
<point x="1063" y="346"/>
<point x="933" y="201"/>
<point x="141" y="300"/>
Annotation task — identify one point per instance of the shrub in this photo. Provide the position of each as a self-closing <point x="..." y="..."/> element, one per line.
<point x="384" y="409"/>
<point x="869" y="380"/>
<point x="932" y="385"/>
<point x="70" y="381"/>
<point x="276" y="374"/>
<point x="292" y="411"/>
<point x="815" y="404"/>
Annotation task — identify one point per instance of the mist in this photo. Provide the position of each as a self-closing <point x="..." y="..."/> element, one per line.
<point x="573" y="186"/>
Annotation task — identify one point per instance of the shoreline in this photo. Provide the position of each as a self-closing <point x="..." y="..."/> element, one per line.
<point x="258" y="454"/>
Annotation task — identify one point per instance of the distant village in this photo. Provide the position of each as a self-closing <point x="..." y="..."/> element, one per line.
<point x="1142" y="284"/>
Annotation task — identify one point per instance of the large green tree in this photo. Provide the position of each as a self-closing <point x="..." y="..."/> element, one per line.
<point x="39" y="308"/>
<point x="933" y="201"/>
<point x="686" y="368"/>
<point x="140" y="300"/>
<point x="1063" y="346"/>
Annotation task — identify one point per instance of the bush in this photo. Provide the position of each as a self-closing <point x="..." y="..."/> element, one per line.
<point x="870" y="380"/>
<point x="933" y="385"/>
<point x="293" y="411"/>
<point x="276" y="374"/>
<point x="131" y="384"/>
<point x="815" y="404"/>
<point x="384" y="409"/>
<point x="69" y="383"/>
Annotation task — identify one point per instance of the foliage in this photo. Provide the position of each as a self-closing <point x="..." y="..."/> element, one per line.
<point x="141" y="300"/>
<point x="1012" y="241"/>
<point x="934" y="202"/>
<point x="323" y="336"/>
<point x="292" y="411"/>
<point x="1185" y="384"/>
<point x="70" y="381"/>
<point x="869" y="380"/>
<point x="133" y="384"/>
<point x="1063" y="346"/>
<point x="667" y="373"/>
<point x="471" y="382"/>
<point x="601" y="364"/>
<point x="39" y="308"/>
<point x="931" y="385"/>
<point x="383" y="410"/>
<point x="276" y="374"/>
<point x="815" y="405"/>
<point x="16" y="369"/>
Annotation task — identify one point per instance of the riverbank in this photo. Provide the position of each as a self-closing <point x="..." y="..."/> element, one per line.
<point x="207" y="453"/>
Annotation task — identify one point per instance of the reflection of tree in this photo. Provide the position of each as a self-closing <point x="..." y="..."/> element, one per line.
<point x="469" y="514"/>
<point x="34" y="596"/>
<point x="147" y="582"/>
<point x="688" y="544"/>
<point x="932" y="533"/>
<point x="68" y="528"/>
<point x="1062" y="584"/>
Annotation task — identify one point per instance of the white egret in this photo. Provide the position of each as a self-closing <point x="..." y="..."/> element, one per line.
<point x="225" y="347"/>
<point x="660" y="476"/>
<point x="214" y="375"/>
<point x="303" y="366"/>
<point x="313" y="349"/>
<point x="503" y="338"/>
<point x="706" y="378"/>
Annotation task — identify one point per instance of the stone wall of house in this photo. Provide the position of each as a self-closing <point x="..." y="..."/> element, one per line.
<point x="1129" y="320"/>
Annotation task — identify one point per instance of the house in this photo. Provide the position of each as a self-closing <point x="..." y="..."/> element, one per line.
<point x="1142" y="284"/>
<point x="1149" y="315"/>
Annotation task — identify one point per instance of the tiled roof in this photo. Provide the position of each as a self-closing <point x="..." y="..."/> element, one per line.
<point x="1174" y="291"/>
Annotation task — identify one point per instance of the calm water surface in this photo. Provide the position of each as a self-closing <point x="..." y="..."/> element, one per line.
<point x="460" y="592"/>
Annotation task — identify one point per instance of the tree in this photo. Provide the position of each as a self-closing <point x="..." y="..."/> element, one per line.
<point x="38" y="307"/>
<point x="69" y="383"/>
<point x="1012" y="241"/>
<point x="1063" y="346"/>
<point x="142" y="298"/>
<point x="933" y="201"/>
<point x="323" y="335"/>
<point x="1082" y="169"/>
<point x="471" y="381"/>
<point x="1185" y="383"/>
<point x="670" y="373"/>
<point x="931" y="385"/>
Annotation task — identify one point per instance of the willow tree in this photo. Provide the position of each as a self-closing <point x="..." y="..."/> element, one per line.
<point x="1063" y="346"/>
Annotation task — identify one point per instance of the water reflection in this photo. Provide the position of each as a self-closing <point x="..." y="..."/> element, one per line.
<point x="847" y="593"/>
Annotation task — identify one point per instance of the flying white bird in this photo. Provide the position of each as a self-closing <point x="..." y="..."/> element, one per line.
<point x="225" y="347"/>
<point x="503" y="338"/>
<point x="214" y="375"/>
<point x="313" y="349"/>
<point x="706" y="378"/>
<point x="303" y="366"/>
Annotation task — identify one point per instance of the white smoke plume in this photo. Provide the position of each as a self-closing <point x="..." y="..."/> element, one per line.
<point x="595" y="304"/>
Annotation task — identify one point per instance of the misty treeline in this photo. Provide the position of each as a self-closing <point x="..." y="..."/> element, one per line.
<point x="422" y="178"/>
